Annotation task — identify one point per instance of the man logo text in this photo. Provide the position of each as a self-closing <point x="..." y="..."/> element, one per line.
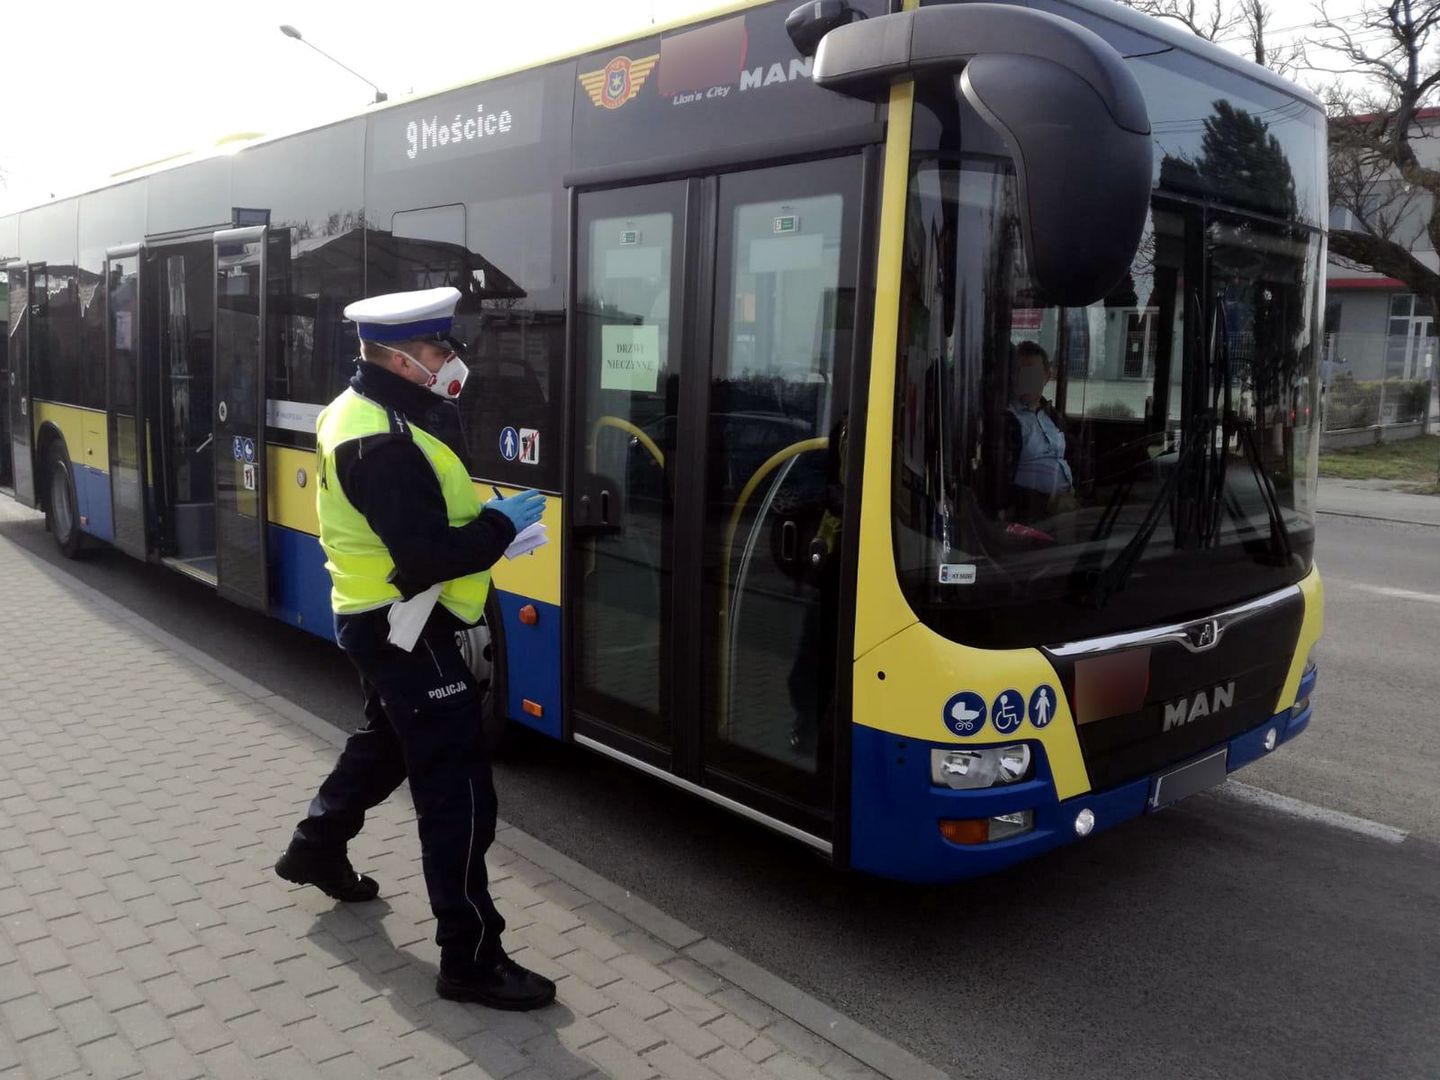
<point x="1182" y="712"/>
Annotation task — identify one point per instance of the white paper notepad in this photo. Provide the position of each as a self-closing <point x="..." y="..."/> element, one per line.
<point x="527" y="541"/>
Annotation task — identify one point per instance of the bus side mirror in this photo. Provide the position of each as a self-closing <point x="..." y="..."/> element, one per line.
<point x="1065" y="104"/>
<point x="808" y="24"/>
<point x="1084" y="181"/>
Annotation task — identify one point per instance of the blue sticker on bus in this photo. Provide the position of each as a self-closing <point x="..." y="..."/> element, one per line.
<point x="1008" y="712"/>
<point x="1042" y="706"/>
<point x="509" y="443"/>
<point x="965" y="713"/>
<point x="239" y="448"/>
<point x="250" y="451"/>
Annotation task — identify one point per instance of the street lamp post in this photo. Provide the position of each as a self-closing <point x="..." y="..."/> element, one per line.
<point x="291" y="32"/>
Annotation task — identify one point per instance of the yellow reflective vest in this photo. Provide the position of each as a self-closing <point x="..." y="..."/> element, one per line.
<point x="358" y="561"/>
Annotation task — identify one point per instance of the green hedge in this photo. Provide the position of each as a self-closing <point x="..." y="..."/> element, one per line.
<point x="1354" y="404"/>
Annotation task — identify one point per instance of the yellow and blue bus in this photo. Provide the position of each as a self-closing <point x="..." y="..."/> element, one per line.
<point x="925" y="393"/>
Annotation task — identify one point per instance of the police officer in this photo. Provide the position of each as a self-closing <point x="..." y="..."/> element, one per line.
<point x="400" y="522"/>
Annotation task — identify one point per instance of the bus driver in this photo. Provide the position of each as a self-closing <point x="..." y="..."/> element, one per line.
<point x="1042" y="483"/>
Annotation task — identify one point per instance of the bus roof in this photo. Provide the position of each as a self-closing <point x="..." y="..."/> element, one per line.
<point x="1173" y="36"/>
<point x="1164" y="34"/>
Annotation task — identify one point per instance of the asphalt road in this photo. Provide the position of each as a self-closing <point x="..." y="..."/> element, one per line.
<point x="1218" y="939"/>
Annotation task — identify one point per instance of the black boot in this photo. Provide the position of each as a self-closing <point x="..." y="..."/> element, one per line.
<point x="499" y="983"/>
<point x="331" y="874"/>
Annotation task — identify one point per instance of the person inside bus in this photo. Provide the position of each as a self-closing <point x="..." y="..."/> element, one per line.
<point x="1042" y="481"/>
<point x="409" y="549"/>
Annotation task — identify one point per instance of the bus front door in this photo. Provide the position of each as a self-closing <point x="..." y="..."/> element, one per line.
<point x="123" y="398"/>
<point x="715" y="326"/>
<point x="628" y="325"/>
<point x="19" y="426"/>
<point x="241" y="515"/>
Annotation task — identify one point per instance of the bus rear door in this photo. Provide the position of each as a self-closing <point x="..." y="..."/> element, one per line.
<point x="123" y="398"/>
<point x="714" y="328"/>
<point x="19" y="431"/>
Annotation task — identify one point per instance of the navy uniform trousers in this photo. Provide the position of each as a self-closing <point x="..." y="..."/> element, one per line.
<point x="422" y="721"/>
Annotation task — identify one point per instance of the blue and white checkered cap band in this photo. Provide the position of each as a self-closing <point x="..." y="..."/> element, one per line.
<point x="403" y="331"/>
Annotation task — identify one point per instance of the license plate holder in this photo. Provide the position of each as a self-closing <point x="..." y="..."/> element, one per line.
<point x="1185" y="780"/>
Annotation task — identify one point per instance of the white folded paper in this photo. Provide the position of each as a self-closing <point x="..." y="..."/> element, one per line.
<point x="527" y="541"/>
<point x="408" y="617"/>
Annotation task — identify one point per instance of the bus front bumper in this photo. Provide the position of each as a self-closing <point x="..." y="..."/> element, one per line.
<point x="897" y="809"/>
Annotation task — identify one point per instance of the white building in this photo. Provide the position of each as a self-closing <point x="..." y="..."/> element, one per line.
<point x="1375" y="326"/>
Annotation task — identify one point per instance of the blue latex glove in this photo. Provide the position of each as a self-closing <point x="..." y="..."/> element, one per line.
<point x="523" y="509"/>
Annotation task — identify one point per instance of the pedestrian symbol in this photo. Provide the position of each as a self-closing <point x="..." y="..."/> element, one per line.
<point x="965" y="713"/>
<point x="1008" y="711"/>
<point x="1042" y="706"/>
<point x="509" y="443"/>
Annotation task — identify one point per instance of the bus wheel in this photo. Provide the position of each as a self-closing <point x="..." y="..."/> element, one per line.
<point x="480" y="648"/>
<point x="62" y="514"/>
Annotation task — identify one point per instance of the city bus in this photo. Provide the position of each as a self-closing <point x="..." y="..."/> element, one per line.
<point x="925" y="394"/>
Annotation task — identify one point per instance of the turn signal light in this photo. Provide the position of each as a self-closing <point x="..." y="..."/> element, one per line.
<point x="528" y="615"/>
<point x="534" y="708"/>
<point x="988" y="830"/>
<point x="966" y="832"/>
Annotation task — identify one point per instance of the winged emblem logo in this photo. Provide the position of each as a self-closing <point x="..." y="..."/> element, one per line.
<point x="618" y="81"/>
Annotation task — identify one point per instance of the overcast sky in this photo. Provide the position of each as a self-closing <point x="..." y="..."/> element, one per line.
<point x="93" y="87"/>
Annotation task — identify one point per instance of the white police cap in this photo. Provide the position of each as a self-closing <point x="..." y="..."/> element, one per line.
<point x="405" y="316"/>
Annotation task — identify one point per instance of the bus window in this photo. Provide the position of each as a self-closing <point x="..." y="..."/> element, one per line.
<point x="1045" y="474"/>
<point x="515" y="340"/>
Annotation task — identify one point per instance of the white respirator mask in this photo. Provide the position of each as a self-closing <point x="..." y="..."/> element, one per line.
<point x="448" y="381"/>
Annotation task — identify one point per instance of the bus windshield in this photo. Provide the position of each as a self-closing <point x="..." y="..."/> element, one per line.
<point x="1062" y="473"/>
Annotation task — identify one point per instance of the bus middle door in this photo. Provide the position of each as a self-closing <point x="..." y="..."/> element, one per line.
<point x="241" y="513"/>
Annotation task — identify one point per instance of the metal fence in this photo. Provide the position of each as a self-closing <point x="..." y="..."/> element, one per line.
<point x="1378" y="388"/>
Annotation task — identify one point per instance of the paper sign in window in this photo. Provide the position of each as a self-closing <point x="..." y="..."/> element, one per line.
<point x="630" y="358"/>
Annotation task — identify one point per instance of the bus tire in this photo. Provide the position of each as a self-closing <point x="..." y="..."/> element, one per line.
<point x="62" y="508"/>
<point x="482" y="647"/>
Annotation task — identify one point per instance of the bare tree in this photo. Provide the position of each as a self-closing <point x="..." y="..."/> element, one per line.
<point x="1376" y="174"/>
<point x="1209" y="22"/>
<point x="1249" y="21"/>
<point x="1255" y="16"/>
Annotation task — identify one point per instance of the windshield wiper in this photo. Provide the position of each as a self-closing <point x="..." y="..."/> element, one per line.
<point x="1113" y="577"/>
<point x="1094" y="588"/>
<point x="1280" y="543"/>
<point x="1244" y="428"/>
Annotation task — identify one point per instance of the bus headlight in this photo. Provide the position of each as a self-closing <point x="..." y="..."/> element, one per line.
<point x="984" y="766"/>
<point x="1304" y="703"/>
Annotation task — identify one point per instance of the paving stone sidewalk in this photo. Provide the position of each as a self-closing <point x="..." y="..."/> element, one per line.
<point x="143" y="800"/>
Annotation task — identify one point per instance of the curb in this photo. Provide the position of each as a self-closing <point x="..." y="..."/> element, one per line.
<point x="859" y="1042"/>
<point x="1379" y="517"/>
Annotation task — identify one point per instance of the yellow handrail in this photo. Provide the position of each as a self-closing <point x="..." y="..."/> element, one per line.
<point x="629" y="428"/>
<point x="775" y="461"/>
